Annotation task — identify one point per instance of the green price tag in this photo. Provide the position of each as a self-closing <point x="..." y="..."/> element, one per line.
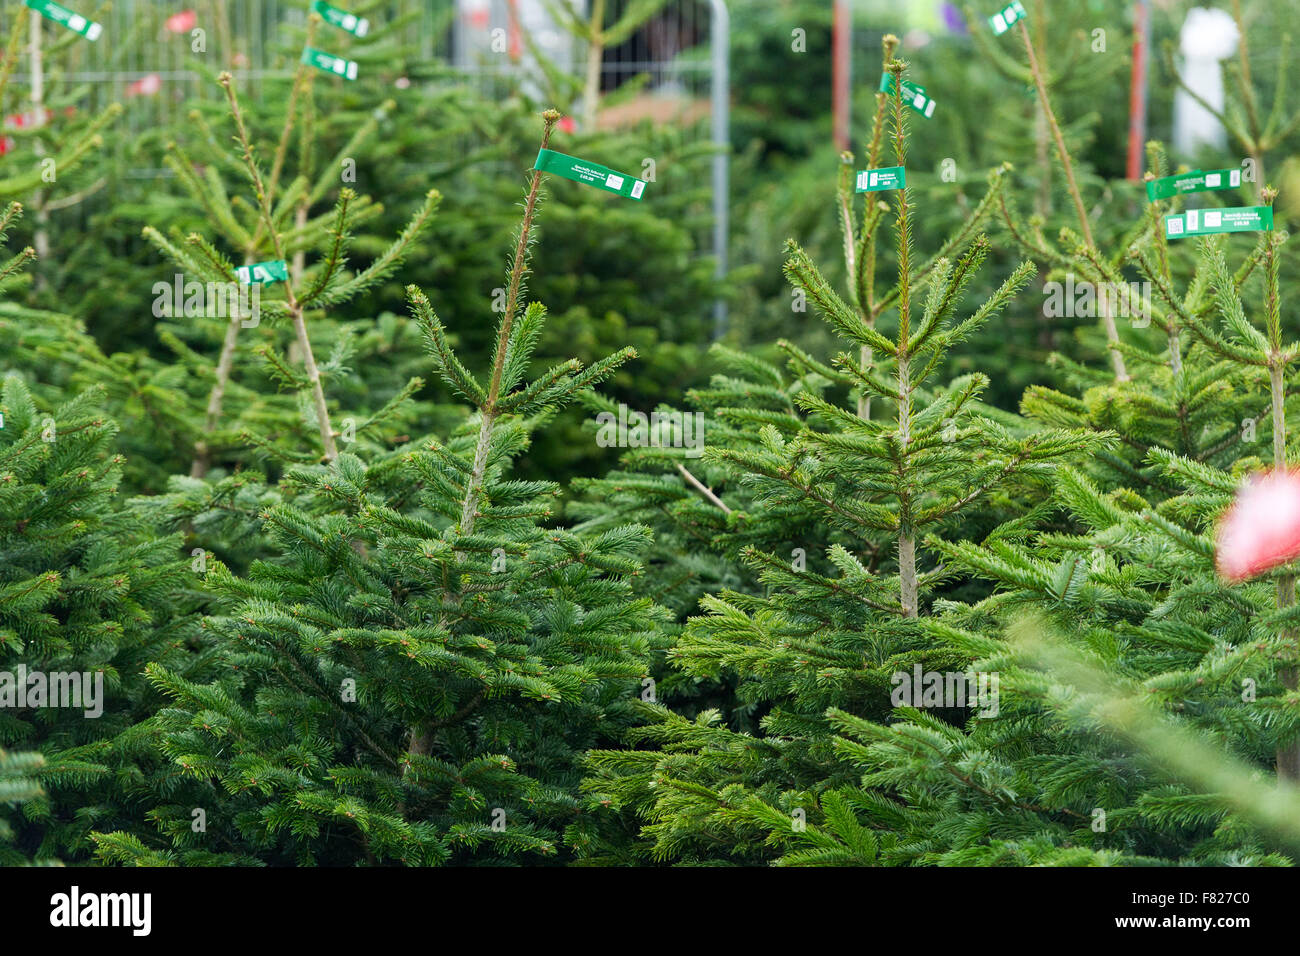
<point x="1004" y="19"/>
<point x="263" y="273"/>
<point x="874" y="180"/>
<point x="330" y="63"/>
<point x="593" y="174"/>
<point x="913" y="94"/>
<point x="73" y="21"/>
<point x="1196" y="181"/>
<point x="1202" y="222"/>
<point x="357" y="26"/>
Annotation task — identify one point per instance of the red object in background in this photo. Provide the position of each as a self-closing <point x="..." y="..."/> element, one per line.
<point x="480" y="15"/>
<point x="23" y="120"/>
<point x="566" y="124"/>
<point x="1262" y="528"/>
<point x="516" y="34"/>
<point x="150" y="85"/>
<point x="6" y="144"/>
<point x="182" y="22"/>
<point x="841" y="68"/>
<point x="1137" y="93"/>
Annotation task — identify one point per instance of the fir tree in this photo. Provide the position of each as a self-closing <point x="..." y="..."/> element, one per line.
<point x="415" y="675"/>
<point x="1070" y="68"/>
<point x="53" y="135"/>
<point x="280" y="229"/>
<point x="89" y="592"/>
<point x="1145" y="694"/>
<point x="903" y="458"/>
<point x="16" y="786"/>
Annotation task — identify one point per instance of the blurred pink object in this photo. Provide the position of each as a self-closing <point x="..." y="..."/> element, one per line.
<point x="182" y="22"/>
<point x="150" y="85"/>
<point x="23" y="120"/>
<point x="1262" y="528"/>
<point x="567" y="125"/>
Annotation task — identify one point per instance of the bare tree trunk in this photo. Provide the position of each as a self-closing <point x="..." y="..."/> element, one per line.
<point x="907" y="580"/>
<point x="421" y="735"/>
<point x="317" y="390"/>
<point x="1108" y="320"/>
<point x="202" y="453"/>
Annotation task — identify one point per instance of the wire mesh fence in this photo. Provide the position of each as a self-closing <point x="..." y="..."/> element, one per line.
<point x="152" y="57"/>
<point x="147" y="54"/>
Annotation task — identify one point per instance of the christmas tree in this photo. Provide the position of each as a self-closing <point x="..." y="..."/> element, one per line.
<point x="90" y="591"/>
<point x="887" y="468"/>
<point x="415" y="674"/>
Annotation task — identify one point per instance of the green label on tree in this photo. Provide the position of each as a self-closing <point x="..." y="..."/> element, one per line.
<point x="593" y="174"/>
<point x="357" y="26"/>
<point x="73" y="21"/>
<point x="263" y="273"/>
<point x="1202" y="222"/>
<point x="1003" y="20"/>
<point x="913" y="94"/>
<point x="1194" y="182"/>
<point x="330" y="63"/>
<point x="874" y="180"/>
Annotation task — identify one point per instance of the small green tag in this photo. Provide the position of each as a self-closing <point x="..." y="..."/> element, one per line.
<point x="874" y="180"/>
<point x="73" y="21"/>
<point x="913" y="94"/>
<point x="263" y="273"/>
<point x="1202" y="222"/>
<point x="1196" y="181"/>
<point x="357" y="26"/>
<point x="593" y="174"/>
<point x="1004" y="19"/>
<point x="330" y="63"/>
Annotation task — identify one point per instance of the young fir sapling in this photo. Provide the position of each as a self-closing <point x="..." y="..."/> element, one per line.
<point x="887" y="477"/>
<point x="415" y="674"/>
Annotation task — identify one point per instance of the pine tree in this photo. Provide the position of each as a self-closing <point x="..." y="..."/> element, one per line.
<point x="1145" y="694"/>
<point x="52" y="135"/>
<point x="887" y="485"/>
<point x="89" y="589"/>
<point x="416" y="673"/>
<point x="16" y="786"/>
<point x="280" y="229"/>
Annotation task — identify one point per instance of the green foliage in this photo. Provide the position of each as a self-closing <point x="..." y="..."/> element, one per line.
<point x="917" y="600"/>
<point x="88" y="588"/>
<point x="414" y="673"/>
<point x="16" y="786"/>
<point x="830" y="632"/>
